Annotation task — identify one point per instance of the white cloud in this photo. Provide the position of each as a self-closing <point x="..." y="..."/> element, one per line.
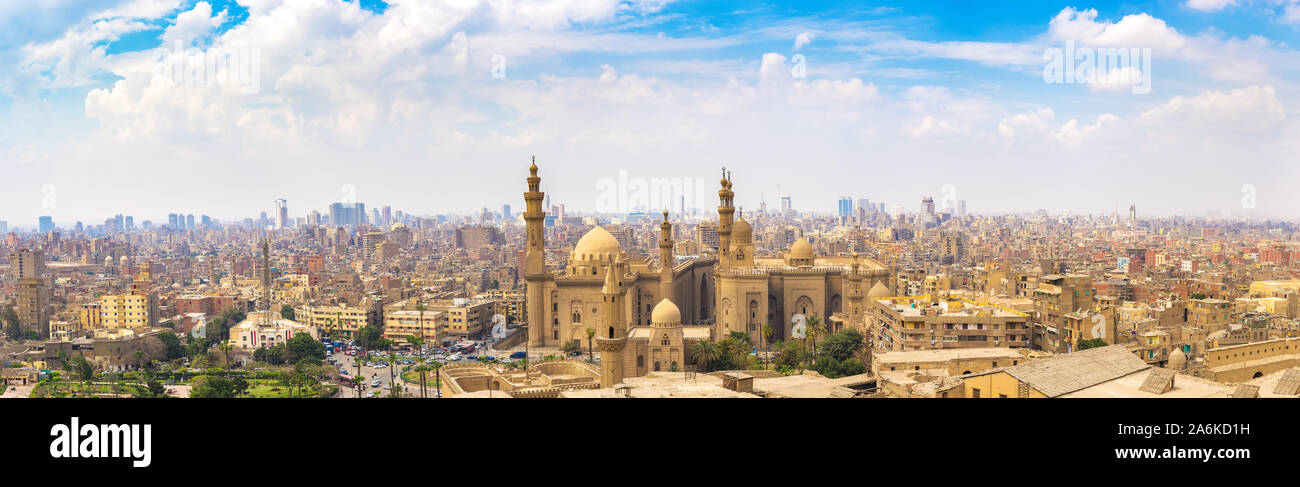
<point x="1210" y="5"/>
<point x="1247" y="110"/>
<point x="1025" y="124"/>
<point x="1137" y="30"/>
<point x="1291" y="15"/>
<point x="1071" y="134"/>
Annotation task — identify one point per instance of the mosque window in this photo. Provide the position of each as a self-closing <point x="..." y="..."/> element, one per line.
<point x="577" y="317"/>
<point x="665" y="340"/>
<point x="640" y="361"/>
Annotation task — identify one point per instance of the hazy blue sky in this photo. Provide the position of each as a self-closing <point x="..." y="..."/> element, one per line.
<point x="436" y="106"/>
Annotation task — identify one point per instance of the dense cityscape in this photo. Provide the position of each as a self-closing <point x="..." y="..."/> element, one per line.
<point x="870" y="301"/>
<point x="229" y="226"/>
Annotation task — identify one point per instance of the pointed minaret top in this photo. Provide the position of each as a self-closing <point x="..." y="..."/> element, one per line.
<point x="611" y="284"/>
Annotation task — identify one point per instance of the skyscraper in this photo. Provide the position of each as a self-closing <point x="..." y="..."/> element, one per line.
<point x="786" y="207"/>
<point x="46" y="224"/>
<point x="846" y="206"/>
<point x="347" y="214"/>
<point x="281" y="213"/>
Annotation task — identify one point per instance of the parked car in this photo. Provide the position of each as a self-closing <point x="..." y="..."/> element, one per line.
<point x="519" y="354"/>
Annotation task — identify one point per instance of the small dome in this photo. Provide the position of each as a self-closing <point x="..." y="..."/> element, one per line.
<point x="597" y="244"/>
<point x="801" y="249"/>
<point x="665" y="313"/>
<point x="1177" y="359"/>
<point x="741" y="232"/>
<point x="878" y="291"/>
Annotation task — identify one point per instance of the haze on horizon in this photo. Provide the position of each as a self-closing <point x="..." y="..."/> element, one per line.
<point x="436" y="107"/>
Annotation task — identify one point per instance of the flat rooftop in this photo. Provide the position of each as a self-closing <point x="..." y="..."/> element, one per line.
<point x="665" y="384"/>
<point x="945" y="355"/>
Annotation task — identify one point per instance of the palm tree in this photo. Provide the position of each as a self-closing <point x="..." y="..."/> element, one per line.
<point x="224" y="346"/>
<point x="418" y="342"/>
<point x="767" y="340"/>
<point x="591" y="356"/>
<point x="392" y="367"/>
<point x="437" y="376"/>
<point x="815" y="329"/>
<point x="704" y="352"/>
<point x="741" y="349"/>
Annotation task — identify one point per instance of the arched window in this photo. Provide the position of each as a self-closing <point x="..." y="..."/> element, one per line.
<point x="656" y="366"/>
<point x="664" y="341"/>
<point x="577" y="317"/>
<point x="611" y="332"/>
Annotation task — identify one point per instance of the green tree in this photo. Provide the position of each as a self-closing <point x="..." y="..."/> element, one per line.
<point x="591" y="334"/>
<point x="171" y="345"/>
<point x="239" y="385"/>
<point x="303" y="347"/>
<point x="225" y="348"/>
<point x="210" y="386"/>
<point x="13" y="329"/>
<point x="843" y="345"/>
<point x="286" y="312"/>
<point x="274" y="355"/>
<point x="816" y="328"/>
<point x="705" y="352"/>
<point x="767" y="341"/>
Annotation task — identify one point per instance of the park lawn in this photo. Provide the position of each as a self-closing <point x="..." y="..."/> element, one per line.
<point x="266" y="391"/>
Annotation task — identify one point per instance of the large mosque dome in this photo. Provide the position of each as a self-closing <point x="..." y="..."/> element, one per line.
<point x="665" y="313"/>
<point x="597" y="244"/>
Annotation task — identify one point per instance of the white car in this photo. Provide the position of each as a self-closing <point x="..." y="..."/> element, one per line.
<point x="454" y="357"/>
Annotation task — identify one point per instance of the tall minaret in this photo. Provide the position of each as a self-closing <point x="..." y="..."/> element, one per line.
<point x="614" y="337"/>
<point x="666" y="259"/>
<point x="535" y="258"/>
<point x="725" y="213"/>
<point x="855" y="284"/>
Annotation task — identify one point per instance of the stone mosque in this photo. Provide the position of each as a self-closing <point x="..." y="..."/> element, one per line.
<point x="647" y="315"/>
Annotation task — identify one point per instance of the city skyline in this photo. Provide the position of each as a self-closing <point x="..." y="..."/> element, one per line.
<point x="894" y="102"/>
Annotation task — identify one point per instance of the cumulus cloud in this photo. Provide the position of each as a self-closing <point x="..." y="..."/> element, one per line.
<point x="1250" y="109"/>
<point x="385" y="102"/>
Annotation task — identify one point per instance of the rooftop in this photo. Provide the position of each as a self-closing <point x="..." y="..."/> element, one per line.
<point x="1063" y="374"/>
<point x="944" y="355"/>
